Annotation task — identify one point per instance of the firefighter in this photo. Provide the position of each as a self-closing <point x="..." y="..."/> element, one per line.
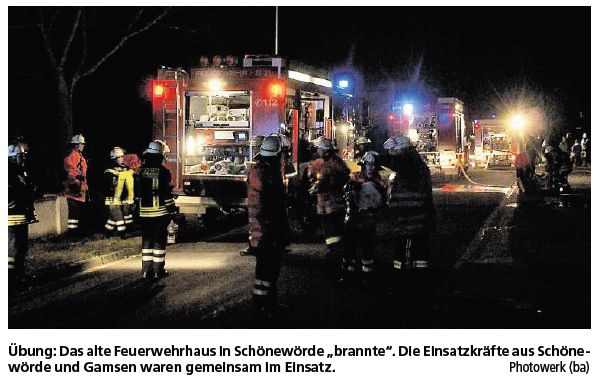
<point x="76" y="187"/>
<point x="329" y="174"/>
<point x="255" y="144"/>
<point x="119" y="194"/>
<point x="21" y="213"/>
<point x="362" y="143"/>
<point x="156" y="209"/>
<point x="267" y="221"/>
<point x="409" y="198"/>
<point x="364" y="198"/>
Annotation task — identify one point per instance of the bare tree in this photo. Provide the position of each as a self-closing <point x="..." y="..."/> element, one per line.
<point x="67" y="48"/>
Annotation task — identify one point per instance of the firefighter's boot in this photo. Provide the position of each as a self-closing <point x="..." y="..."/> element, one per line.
<point x="147" y="264"/>
<point x="159" y="262"/>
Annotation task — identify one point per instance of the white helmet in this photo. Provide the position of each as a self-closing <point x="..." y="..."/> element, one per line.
<point x="116" y="152"/>
<point x="285" y="141"/>
<point x="271" y="146"/>
<point x="397" y="143"/>
<point x="164" y="146"/>
<point x="78" y="139"/>
<point x="154" y="147"/>
<point x="362" y="140"/>
<point x="370" y="157"/>
<point x="322" y="143"/>
<point x="15" y="149"/>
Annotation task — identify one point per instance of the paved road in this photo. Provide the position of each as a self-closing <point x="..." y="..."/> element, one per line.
<point x="211" y="284"/>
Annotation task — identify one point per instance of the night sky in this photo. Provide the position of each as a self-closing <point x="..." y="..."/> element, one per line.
<point x="475" y="54"/>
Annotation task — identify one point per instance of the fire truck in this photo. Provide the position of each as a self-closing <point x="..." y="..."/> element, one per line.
<point x="209" y="115"/>
<point x="436" y="129"/>
<point x="495" y="144"/>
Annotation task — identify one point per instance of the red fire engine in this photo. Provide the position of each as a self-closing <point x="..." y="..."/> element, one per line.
<point x="437" y="130"/>
<point x="209" y="115"/>
<point x="496" y="144"/>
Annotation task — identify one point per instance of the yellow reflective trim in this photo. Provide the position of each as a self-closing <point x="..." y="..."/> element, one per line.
<point x="332" y="240"/>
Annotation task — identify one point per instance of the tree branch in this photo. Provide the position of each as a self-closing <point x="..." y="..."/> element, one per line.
<point x="46" y="40"/>
<point x="77" y="73"/>
<point x="122" y="42"/>
<point x="133" y="22"/>
<point x="73" y="32"/>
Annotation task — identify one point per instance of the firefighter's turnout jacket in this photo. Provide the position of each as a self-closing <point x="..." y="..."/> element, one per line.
<point x="75" y="167"/>
<point x="364" y="200"/>
<point x="118" y="185"/>
<point x="330" y="178"/>
<point x="119" y="197"/>
<point x="364" y="197"/>
<point x="154" y="190"/>
<point x="20" y="197"/>
<point x="410" y="202"/>
<point x="267" y="220"/>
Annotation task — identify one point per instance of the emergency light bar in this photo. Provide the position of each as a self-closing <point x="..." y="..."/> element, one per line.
<point x="309" y="79"/>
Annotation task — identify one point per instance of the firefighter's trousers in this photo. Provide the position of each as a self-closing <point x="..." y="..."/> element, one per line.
<point x="266" y="275"/>
<point x="411" y="251"/>
<point x="127" y="211"/>
<point x="115" y="219"/>
<point x="75" y="211"/>
<point x="17" y="249"/>
<point x="359" y="239"/>
<point x="154" y="232"/>
<point x="333" y="230"/>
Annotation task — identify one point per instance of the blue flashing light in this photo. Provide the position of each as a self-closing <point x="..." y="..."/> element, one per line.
<point x="343" y="84"/>
<point x="408" y="109"/>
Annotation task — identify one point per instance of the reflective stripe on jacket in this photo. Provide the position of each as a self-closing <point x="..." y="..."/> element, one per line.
<point x="154" y="189"/>
<point x="20" y="197"/>
<point x="118" y="186"/>
<point x="411" y="204"/>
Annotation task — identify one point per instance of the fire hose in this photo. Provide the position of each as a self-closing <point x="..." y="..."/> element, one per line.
<point x="463" y="171"/>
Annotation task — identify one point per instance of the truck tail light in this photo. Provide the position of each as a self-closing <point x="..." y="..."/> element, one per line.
<point x="158" y="90"/>
<point x="277" y="89"/>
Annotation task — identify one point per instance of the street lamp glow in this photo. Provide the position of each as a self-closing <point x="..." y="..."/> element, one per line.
<point x="408" y="109"/>
<point x="517" y="122"/>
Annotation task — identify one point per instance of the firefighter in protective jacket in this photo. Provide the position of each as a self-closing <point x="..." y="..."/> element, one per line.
<point x="75" y="166"/>
<point x="410" y="201"/>
<point x="153" y="188"/>
<point x="267" y="221"/>
<point x="21" y="213"/>
<point x="365" y="196"/>
<point x="329" y="174"/>
<point x="119" y="194"/>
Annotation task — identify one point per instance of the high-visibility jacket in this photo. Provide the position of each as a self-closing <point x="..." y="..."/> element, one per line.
<point x="75" y="166"/>
<point x="118" y="185"/>
<point x="267" y="218"/>
<point x="154" y="190"/>
<point x="410" y="202"/>
<point x="20" y="197"/>
<point x="330" y="176"/>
